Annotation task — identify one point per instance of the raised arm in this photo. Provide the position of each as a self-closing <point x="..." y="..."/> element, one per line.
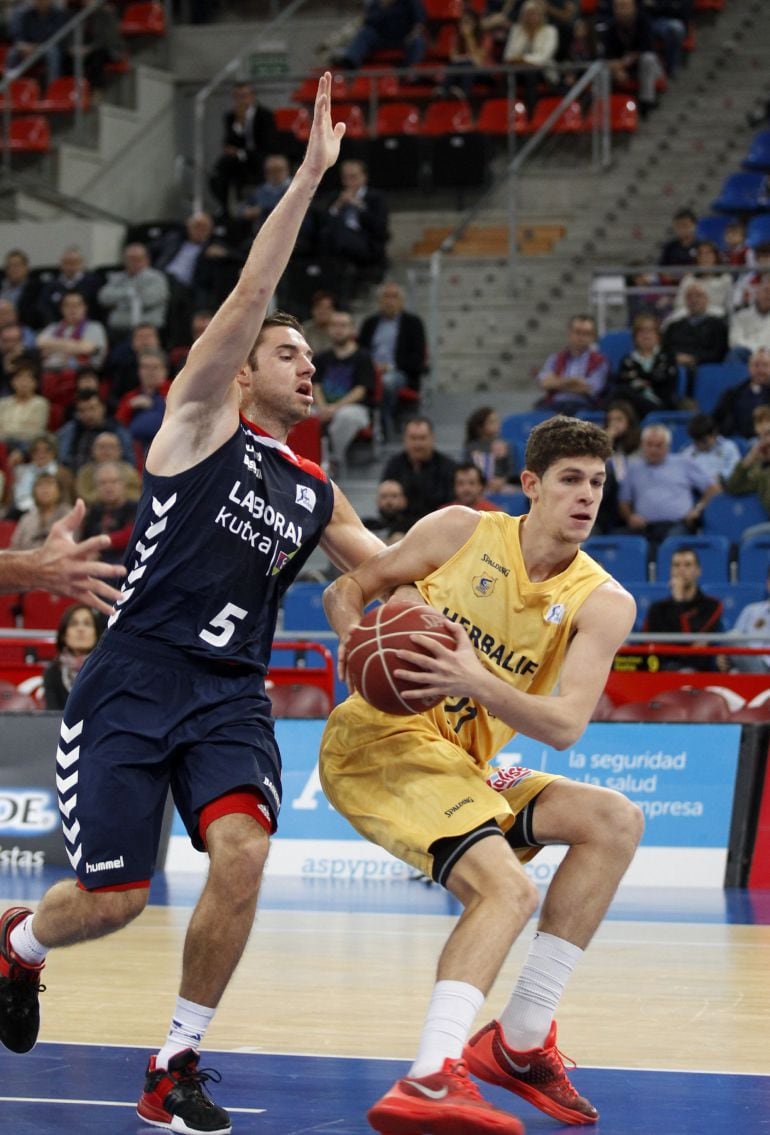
<point x="220" y="352"/>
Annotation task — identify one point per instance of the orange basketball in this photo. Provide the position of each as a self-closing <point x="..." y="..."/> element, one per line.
<point x="372" y="657"/>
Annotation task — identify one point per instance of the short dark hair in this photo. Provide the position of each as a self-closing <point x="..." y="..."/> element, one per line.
<point x="467" y="467"/>
<point x="277" y="319"/>
<point x="560" y="437"/>
<point x="700" y="426"/>
<point x="686" y="550"/>
<point x="685" y="214"/>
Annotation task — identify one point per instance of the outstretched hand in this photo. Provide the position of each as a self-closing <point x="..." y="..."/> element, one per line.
<point x="67" y="567"/>
<point x="323" y="146"/>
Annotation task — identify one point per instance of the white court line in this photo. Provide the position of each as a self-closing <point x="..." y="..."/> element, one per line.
<point x="108" y="1103"/>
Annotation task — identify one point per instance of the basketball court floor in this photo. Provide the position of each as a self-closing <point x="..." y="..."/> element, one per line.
<point x="668" y="1014"/>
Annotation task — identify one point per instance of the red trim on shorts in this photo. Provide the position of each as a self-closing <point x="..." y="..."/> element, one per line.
<point x="143" y="883"/>
<point x="245" y="802"/>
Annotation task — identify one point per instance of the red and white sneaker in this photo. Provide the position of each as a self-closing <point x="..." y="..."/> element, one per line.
<point x="175" y="1098"/>
<point x="19" y="989"/>
<point x="444" y="1103"/>
<point x="537" y="1076"/>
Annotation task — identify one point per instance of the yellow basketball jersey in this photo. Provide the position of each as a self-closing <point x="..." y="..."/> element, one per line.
<point x="520" y="629"/>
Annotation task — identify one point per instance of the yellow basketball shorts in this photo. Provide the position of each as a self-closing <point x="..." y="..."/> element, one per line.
<point x="403" y="785"/>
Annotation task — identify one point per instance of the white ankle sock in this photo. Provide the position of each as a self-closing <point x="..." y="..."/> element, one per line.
<point x="526" y="1019"/>
<point x="452" y="1011"/>
<point x="188" y="1028"/>
<point x="25" y="945"/>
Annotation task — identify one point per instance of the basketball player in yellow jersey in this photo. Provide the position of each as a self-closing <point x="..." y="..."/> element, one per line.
<point x="527" y="610"/>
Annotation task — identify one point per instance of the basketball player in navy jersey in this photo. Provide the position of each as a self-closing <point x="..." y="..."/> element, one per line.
<point x="175" y="693"/>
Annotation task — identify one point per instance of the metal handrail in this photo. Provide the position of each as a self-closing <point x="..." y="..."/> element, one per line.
<point x="74" y="25"/>
<point x="201" y="99"/>
<point x="596" y="75"/>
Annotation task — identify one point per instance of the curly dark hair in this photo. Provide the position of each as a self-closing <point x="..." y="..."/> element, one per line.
<point x="560" y="437"/>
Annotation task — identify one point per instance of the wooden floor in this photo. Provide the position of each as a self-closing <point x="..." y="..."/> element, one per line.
<point x="338" y="973"/>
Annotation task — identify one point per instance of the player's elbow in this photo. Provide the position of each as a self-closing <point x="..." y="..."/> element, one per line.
<point x="564" y="734"/>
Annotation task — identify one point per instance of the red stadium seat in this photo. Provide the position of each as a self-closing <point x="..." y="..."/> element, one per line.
<point x="497" y="115"/>
<point x="697" y="703"/>
<point x="145" y="18"/>
<point x="447" y="117"/>
<point x="13" y="701"/>
<point x="353" y="117"/>
<point x="293" y="119"/>
<point x="24" y="95"/>
<point x="42" y="611"/>
<point x="64" y="95"/>
<point x="604" y="708"/>
<point x="307" y="89"/>
<point x="443" y="9"/>
<point x="360" y="88"/>
<point x="624" y="115"/>
<point x="443" y="44"/>
<point x="398" y="118"/>
<point x="30" y="135"/>
<point x="570" y="122"/>
<point x="9" y="605"/>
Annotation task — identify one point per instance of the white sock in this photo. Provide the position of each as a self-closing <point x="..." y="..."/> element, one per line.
<point x="25" y="945"/>
<point x="188" y="1028"/>
<point x="526" y="1019"/>
<point x="452" y="1011"/>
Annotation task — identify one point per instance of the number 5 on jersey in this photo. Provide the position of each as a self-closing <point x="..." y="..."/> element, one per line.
<point x="225" y="625"/>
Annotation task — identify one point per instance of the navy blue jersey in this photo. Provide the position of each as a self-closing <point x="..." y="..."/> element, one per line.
<point x="215" y="547"/>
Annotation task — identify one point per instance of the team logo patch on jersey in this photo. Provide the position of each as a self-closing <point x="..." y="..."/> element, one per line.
<point x="505" y="778"/>
<point x="281" y="559"/>
<point x="555" y="613"/>
<point x="483" y="585"/>
<point x="306" y="497"/>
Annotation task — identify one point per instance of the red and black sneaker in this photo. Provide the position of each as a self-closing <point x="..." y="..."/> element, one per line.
<point x="444" y="1103"/>
<point x="537" y="1075"/>
<point x="174" y="1098"/>
<point x="19" y="989"/>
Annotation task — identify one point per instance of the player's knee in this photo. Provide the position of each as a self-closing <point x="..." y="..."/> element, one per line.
<point x="238" y="866"/>
<point x="622" y="822"/>
<point x="112" y="910"/>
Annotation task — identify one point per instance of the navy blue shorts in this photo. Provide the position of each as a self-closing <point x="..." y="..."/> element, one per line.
<point x="142" y="717"/>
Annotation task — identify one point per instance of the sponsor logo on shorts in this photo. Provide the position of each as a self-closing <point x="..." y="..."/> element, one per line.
<point x="483" y="585"/>
<point x="456" y="807"/>
<point x="504" y="778"/>
<point x="105" y="865"/>
<point x="555" y="613"/>
<point x="485" y="559"/>
<point x="267" y="782"/>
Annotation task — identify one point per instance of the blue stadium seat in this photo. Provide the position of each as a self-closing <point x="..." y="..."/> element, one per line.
<point x="712" y="551"/>
<point x="758" y="230"/>
<point x="711" y="381"/>
<point x="303" y="608"/>
<point x="713" y="228"/>
<point x="625" y="557"/>
<point x="734" y="598"/>
<point x="645" y="594"/>
<point x="758" y="157"/>
<point x="516" y="428"/>
<point x="754" y="559"/>
<point x="616" y="344"/>
<point x="598" y="417"/>
<point x="515" y="504"/>
<point x="742" y="193"/>
<point x="728" y="516"/>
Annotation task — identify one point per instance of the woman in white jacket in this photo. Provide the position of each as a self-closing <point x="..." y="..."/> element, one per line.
<point x="532" y="45"/>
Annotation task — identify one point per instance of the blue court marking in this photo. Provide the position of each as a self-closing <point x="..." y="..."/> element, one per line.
<point x="415" y="896"/>
<point x="76" y="1088"/>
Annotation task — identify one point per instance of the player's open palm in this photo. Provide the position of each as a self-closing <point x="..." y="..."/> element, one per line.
<point x="323" y="147"/>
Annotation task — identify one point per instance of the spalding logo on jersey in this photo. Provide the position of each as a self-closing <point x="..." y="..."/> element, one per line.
<point x="306" y="497"/>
